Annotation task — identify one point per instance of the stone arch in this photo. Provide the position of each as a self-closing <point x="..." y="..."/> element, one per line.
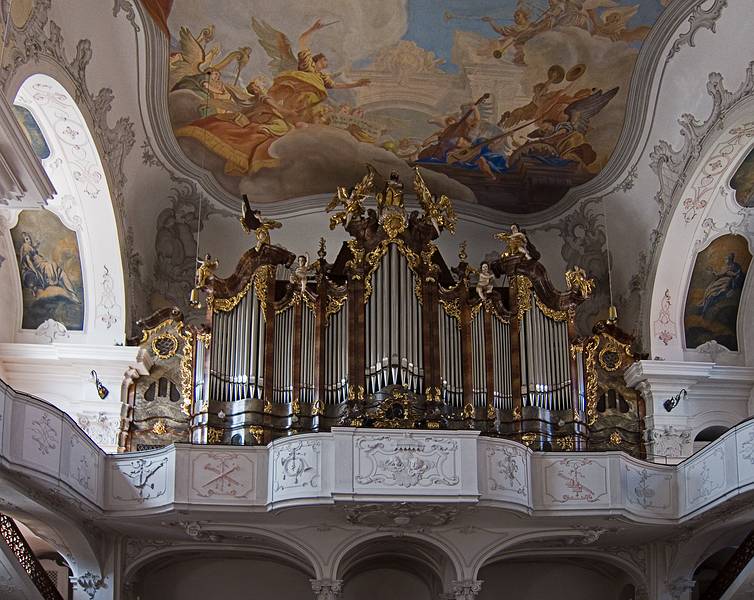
<point x="267" y="547"/>
<point x="705" y="209"/>
<point x="443" y="564"/>
<point x="515" y="548"/>
<point x="83" y="204"/>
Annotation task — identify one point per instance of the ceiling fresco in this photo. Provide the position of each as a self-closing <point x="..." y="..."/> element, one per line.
<point x="506" y="103"/>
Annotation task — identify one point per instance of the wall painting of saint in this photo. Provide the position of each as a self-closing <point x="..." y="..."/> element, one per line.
<point x="743" y="182"/>
<point x="49" y="265"/>
<point x="714" y="293"/>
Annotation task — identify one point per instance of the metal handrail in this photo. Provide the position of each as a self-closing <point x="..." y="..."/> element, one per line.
<point x="15" y="540"/>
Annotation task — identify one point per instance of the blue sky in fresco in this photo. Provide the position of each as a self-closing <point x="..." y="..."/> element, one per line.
<point x="429" y="29"/>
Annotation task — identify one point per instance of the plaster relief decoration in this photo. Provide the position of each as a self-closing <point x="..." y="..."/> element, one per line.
<point x="50" y="330"/>
<point x="649" y="489"/>
<point x="139" y="480"/>
<point x="82" y="464"/>
<point x="107" y="305"/>
<point x="297" y="465"/>
<point x="44" y="435"/>
<point x="507" y="471"/>
<point x="222" y="475"/>
<point x="664" y="327"/>
<point x="101" y="427"/>
<point x="671" y="442"/>
<point x="407" y="461"/>
<point x="41" y="435"/>
<point x="49" y="266"/>
<point x="301" y="96"/>
<point x="745" y="455"/>
<point x="714" y="293"/>
<point x="403" y="515"/>
<point x="705" y="477"/>
<point x="742" y="182"/>
<point x="575" y="480"/>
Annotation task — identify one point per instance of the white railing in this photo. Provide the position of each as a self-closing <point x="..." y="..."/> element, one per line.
<point x="41" y="442"/>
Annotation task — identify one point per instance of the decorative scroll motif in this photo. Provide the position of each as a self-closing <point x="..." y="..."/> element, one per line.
<point x="699" y="19"/>
<point x="407" y="461"/>
<point x="452" y="308"/>
<point x="650" y="490"/>
<point x="375" y="256"/>
<point x="589" y="349"/>
<point x="165" y="346"/>
<point x="17" y="544"/>
<point x="401" y="515"/>
<point x="523" y="296"/>
<point x="664" y="328"/>
<point x="146" y="479"/>
<point x="466" y="590"/>
<point x="327" y="589"/>
<point x="297" y="465"/>
<point x="45" y="436"/>
<point x="748" y="449"/>
<point x="670" y="442"/>
<point x="334" y="304"/>
<point x="555" y="315"/>
<point x="706" y="476"/>
<point x="576" y="480"/>
<point x="506" y="468"/>
<point x="107" y="307"/>
<point x="91" y="583"/>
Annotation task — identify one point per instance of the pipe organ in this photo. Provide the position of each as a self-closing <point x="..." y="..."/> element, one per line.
<point x="390" y="335"/>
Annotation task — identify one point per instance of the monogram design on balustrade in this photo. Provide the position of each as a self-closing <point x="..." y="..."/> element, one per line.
<point x="576" y="480"/>
<point x="650" y="490"/>
<point x="140" y="480"/>
<point x="407" y="461"/>
<point x="222" y="475"/>
<point x="506" y="470"/>
<point x="44" y="435"/>
<point x="297" y="465"/>
<point x="703" y="478"/>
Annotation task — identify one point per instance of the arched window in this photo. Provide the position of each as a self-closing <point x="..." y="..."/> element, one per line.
<point x="69" y="272"/>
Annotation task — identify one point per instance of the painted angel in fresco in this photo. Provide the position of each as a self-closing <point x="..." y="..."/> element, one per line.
<point x="39" y="273"/>
<point x="194" y="68"/>
<point x="566" y="137"/>
<point x="724" y="284"/>
<point x="612" y="23"/>
<point x="516" y="35"/>
<point x="301" y="81"/>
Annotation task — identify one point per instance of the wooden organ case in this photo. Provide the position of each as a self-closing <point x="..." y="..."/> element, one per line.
<point x="388" y="335"/>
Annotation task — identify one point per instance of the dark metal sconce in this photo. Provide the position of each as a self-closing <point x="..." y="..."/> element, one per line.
<point x="671" y="403"/>
<point x="102" y="391"/>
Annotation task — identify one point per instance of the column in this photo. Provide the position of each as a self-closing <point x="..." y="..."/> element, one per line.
<point x="327" y="589"/>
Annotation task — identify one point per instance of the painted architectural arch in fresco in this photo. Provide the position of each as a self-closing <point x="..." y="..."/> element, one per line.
<point x="508" y="102"/>
<point x="714" y="294"/>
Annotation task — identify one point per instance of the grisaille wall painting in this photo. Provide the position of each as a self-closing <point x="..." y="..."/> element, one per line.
<point x="743" y="182"/>
<point x="508" y="103"/>
<point x="714" y="293"/>
<point x="49" y="265"/>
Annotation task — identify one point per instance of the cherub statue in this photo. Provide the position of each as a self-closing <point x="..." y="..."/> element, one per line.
<point x="576" y="278"/>
<point x="516" y="242"/>
<point x="300" y="275"/>
<point x="486" y="281"/>
<point x="252" y="220"/>
<point x="351" y="202"/>
<point x="440" y="212"/>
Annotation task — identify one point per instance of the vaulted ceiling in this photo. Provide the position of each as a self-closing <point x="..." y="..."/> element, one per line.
<point x="559" y="114"/>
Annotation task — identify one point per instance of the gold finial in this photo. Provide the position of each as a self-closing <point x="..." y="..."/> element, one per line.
<point x="462" y="256"/>
<point x="322" y="252"/>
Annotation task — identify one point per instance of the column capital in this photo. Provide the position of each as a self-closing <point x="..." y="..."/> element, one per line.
<point x="326" y="589"/>
<point x="465" y="590"/>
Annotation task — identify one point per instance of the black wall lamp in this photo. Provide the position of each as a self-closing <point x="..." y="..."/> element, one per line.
<point x="102" y="391"/>
<point x="671" y="403"/>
